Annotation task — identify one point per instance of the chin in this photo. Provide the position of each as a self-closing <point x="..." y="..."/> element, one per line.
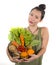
<point x="31" y="24"/>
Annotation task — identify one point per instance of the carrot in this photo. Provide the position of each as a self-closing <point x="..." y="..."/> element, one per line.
<point x="22" y="39"/>
<point x="15" y="43"/>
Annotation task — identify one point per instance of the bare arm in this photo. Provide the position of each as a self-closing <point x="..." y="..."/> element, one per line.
<point x="45" y="38"/>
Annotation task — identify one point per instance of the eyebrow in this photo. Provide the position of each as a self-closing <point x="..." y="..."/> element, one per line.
<point x="33" y="13"/>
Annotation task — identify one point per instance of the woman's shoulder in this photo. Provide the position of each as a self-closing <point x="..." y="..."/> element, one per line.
<point x="44" y="30"/>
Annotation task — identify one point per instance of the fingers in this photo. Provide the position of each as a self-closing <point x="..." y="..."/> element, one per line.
<point x="17" y="60"/>
<point x="11" y="59"/>
<point x="32" y="55"/>
<point x="29" y="59"/>
<point x="16" y="57"/>
<point x="25" y="59"/>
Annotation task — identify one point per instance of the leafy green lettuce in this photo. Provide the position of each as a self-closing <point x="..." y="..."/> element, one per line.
<point x="14" y="35"/>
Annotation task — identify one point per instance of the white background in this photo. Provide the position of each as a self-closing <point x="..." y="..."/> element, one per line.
<point x="14" y="13"/>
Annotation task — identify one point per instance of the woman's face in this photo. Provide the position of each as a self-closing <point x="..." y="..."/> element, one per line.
<point x="34" y="17"/>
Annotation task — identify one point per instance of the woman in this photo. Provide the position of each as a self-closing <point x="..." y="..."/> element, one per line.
<point x="35" y="16"/>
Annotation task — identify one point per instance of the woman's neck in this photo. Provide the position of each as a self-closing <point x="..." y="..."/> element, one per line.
<point x="33" y="29"/>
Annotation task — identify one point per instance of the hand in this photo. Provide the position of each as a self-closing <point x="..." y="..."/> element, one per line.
<point x="33" y="57"/>
<point x="11" y="59"/>
<point x="18" y="60"/>
<point x="15" y="60"/>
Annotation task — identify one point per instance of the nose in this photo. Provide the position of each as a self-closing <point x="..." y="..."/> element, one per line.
<point x="33" y="18"/>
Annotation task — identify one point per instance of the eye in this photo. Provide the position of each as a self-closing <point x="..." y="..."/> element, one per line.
<point x="36" y="17"/>
<point x="31" y="14"/>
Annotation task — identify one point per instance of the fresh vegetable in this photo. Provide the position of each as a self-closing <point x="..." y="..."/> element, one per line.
<point x="35" y="42"/>
<point x="15" y="43"/>
<point x="22" y="42"/>
<point x="21" y="48"/>
<point x="30" y="51"/>
<point x="22" y="39"/>
<point x="24" y="55"/>
<point x="14" y="35"/>
<point x="13" y="49"/>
